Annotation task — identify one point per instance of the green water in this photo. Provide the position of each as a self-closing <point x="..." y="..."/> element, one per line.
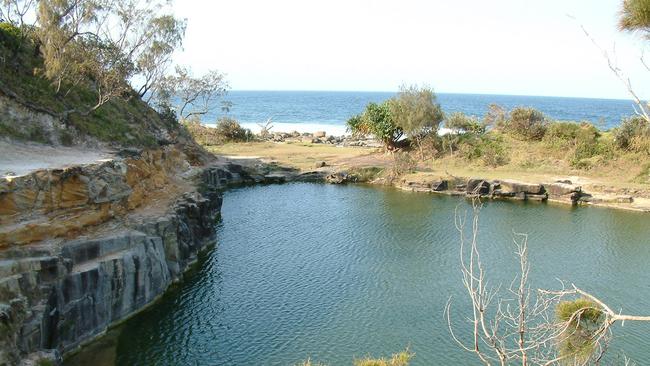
<point x="337" y="272"/>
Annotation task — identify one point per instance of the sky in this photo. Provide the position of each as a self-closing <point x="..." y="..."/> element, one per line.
<point x="514" y="47"/>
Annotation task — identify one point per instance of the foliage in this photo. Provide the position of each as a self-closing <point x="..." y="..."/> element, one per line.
<point x="106" y="44"/>
<point x="226" y="130"/>
<point x="10" y="36"/>
<point x="399" y="359"/>
<point x="460" y="122"/>
<point x="378" y="121"/>
<point x="14" y="11"/>
<point x="635" y="16"/>
<point x="495" y="116"/>
<point x="582" y="318"/>
<point x="525" y="123"/>
<point x="489" y="149"/>
<point x="630" y="133"/>
<point x="416" y="111"/>
<point x="230" y="130"/>
<point x="193" y="96"/>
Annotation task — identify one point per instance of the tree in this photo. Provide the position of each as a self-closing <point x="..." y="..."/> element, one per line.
<point x="566" y="326"/>
<point x="417" y="112"/>
<point x="192" y="96"/>
<point x="14" y="12"/>
<point x="377" y="120"/>
<point x="106" y="44"/>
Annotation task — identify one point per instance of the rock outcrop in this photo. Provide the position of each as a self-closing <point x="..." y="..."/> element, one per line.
<point x="60" y="293"/>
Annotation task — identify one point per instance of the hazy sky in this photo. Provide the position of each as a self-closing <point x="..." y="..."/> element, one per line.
<point x="482" y="46"/>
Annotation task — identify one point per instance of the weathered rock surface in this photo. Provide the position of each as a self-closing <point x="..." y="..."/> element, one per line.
<point x="55" y="297"/>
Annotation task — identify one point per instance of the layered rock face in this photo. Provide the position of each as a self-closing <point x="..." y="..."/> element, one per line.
<point x="57" y="293"/>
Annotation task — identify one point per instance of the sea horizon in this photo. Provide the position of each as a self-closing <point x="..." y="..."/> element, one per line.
<point x="318" y="110"/>
<point x="436" y="91"/>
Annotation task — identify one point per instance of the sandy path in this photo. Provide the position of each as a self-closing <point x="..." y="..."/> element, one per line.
<point x="18" y="159"/>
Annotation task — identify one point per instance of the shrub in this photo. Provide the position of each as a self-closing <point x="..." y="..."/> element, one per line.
<point x="490" y="150"/>
<point x="227" y="130"/>
<point x="459" y="121"/>
<point x="495" y="116"/>
<point x="493" y="152"/>
<point x="10" y="36"/>
<point x="230" y="130"/>
<point x="564" y="134"/>
<point x="631" y="129"/>
<point x="525" y="123"/>
<point x="377" y="120"/>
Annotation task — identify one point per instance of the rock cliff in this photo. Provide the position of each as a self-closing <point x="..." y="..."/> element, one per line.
<point x="85" y="247"/>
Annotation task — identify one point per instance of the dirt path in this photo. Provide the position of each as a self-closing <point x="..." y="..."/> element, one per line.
<point x="17" y="159"/>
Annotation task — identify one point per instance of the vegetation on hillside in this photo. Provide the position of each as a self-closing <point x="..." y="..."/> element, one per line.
<point x="102" y="67"/>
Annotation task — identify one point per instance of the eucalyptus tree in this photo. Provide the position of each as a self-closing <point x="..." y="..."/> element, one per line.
<point x="107" y="44"/>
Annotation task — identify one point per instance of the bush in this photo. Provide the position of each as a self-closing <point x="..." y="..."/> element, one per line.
<point x="10" y="36"/>
<point x="490" y="150"/>
<point x="629" y="134"/>
<point x="227" y="130"/>
<point x="377" y="120"/>
<point x="459" y="121"/>
<point x="230" y="130"/>
<point x="525" y="123"/>
<point x="565" y="134"/>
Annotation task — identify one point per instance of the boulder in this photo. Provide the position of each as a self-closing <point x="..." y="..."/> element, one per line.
<point x="320" y="164"/>
<point x="338" y="178"/>
<point x="562" y="189"/>
<point x="513" y="186"/>
<point x="439" y="186"/>
<point x="319" y="134"/>
<point x="477" y="186"/>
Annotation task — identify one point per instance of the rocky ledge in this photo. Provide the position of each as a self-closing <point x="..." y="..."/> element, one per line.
<point x="563" y="191"/>
<point x="57" y="292"/>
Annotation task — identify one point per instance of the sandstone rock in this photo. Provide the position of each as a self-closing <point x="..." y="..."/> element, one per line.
<point x="560" y="189"/>
<point x="55" y="298"/>
<point x="319" y="134"/>
<point x="517" y="187"/>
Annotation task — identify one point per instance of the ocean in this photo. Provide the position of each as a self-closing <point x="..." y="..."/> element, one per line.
<point x="329" y="110"/>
